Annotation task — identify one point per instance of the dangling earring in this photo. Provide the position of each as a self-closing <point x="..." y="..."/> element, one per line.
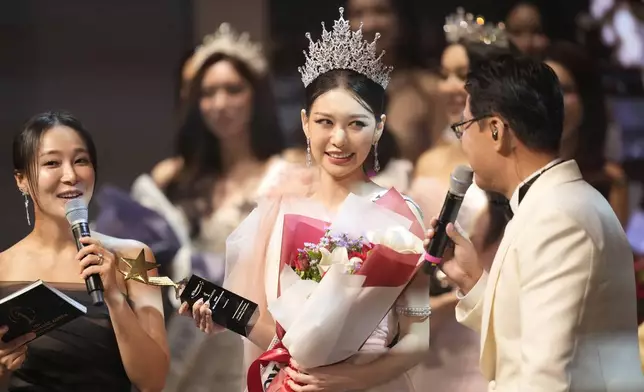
<point x="376" y="164"/>
<point x="308" y="152"/>
<point x="26" y="195"/>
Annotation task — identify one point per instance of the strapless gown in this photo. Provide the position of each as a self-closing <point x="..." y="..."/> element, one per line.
<point x="81" y="355"/>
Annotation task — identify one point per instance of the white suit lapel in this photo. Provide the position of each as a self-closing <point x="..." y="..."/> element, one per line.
<point x="488" y="364"/>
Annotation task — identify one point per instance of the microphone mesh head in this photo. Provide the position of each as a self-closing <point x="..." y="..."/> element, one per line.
<point x="76" y="211"/>
<point x="460" y="180"/>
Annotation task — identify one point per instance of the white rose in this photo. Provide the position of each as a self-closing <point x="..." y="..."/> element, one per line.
<point x="397" y="238"/>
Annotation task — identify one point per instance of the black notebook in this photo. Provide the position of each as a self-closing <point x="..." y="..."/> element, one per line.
<point x="229" y="310"/>
<point x="37" y="308"/>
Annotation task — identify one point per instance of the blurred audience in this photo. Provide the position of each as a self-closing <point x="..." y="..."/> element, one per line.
<point x="229" y="139"/>
<point x="466" y="46"/>
<point x="524" y="24"/>
<point x="586" y="123"/>
<point x="412" y="112"/>
<point x="439" y="160"/>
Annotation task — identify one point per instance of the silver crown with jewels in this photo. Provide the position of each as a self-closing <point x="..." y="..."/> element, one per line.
<point x="343" y="48"/>
<point x="463" y="26"/>
<point x="225" y="40"/>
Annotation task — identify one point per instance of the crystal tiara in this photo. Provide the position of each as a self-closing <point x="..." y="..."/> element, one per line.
<point x="226" y="41"/>
<point x="462" y="27"/>
<point x="343" y="48"/>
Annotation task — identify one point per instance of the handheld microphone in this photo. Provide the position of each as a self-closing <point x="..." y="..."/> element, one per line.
<point x="460" y="180"/>
<point x="77" y="216"/>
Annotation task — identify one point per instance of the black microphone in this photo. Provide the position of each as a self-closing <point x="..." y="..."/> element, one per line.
<point x="460" y="180"/>
<point x="77" y="216"/>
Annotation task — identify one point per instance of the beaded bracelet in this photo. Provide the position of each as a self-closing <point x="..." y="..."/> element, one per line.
<point x="417" y="311"/>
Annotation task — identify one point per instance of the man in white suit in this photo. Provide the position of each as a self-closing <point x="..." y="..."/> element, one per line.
<point x="557" y="309"/>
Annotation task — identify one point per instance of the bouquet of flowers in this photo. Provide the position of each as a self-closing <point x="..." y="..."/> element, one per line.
<point x="314" y="260"/>
<point x="337" y="282"/>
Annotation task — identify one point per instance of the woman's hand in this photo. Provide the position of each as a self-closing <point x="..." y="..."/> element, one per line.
<point x="13" y="353"/>
<point x="342" y="377"/>
<point x="95" y="259"/>
<point x="202" y="315"/>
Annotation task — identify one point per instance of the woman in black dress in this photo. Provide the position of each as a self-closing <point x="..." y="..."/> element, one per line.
<point x="112" y="347"/>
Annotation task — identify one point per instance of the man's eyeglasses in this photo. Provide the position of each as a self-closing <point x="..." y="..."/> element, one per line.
<point x="460" y="127"/>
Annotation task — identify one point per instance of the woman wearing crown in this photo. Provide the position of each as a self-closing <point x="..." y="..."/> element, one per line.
<point x="227" y="154"/>
<point x="343" y="119"/>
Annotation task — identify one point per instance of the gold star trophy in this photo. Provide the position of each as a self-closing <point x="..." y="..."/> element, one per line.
<point x="229" y="310"/>
<point x="138" y="271"/>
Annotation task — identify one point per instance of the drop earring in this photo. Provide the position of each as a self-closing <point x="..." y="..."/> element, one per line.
<point x="376" y="163"/>
<point x="308" y="152"/>
<point x="26" y="196"/>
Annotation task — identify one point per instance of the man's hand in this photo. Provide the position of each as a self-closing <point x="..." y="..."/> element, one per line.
<point x="460" y="261"/>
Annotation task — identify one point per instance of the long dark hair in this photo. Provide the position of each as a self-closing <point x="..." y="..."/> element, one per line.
<point x="591" y="134"/>
<point x="200" y="149"/>
<point x="371" y="96"/>
<point x="26" y="143"/>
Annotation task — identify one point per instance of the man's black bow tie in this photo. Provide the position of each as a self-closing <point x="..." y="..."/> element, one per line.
<point x="523" y="190"/>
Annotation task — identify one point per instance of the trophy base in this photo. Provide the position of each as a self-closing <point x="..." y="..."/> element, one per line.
<point x="229" y="310"/>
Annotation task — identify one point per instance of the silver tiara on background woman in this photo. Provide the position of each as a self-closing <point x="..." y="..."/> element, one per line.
<point x="225" y="40"/>
<point x="464" y="27"/>
<point x="343" y="48"/>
